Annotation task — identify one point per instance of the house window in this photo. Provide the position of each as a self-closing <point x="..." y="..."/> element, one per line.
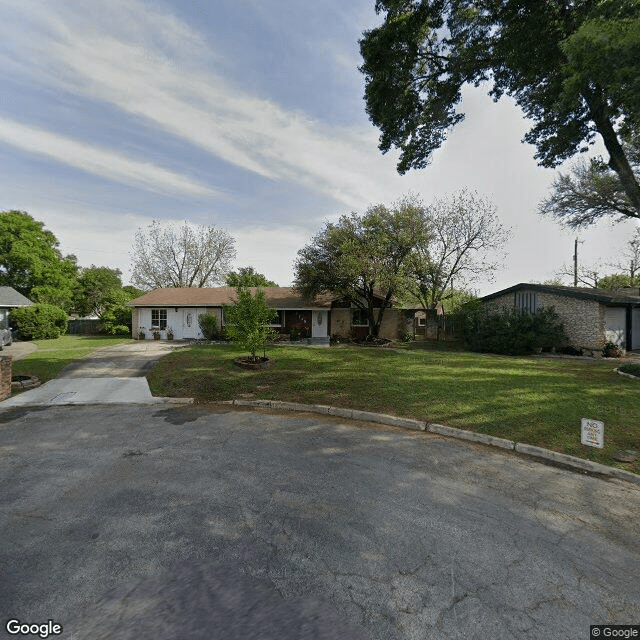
<point x="422" y="321"/>
<point x="360" y="318"/>
<point x="527" y="302"/>
<point x="278" y="319"/>
<point x="159" y="318"/>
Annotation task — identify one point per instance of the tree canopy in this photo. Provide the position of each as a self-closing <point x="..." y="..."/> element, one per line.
<point x="187" y="255"/>
<point x="409" y="252"/>
<point x="248" y="277"/>
<point x="362" y="259"/>
<point x="463" y="231"/>
<point x="95" y="289"/>
<point x="588" y="192"/>
<point x="573" y="66"/>
<point x="31" y="262"/>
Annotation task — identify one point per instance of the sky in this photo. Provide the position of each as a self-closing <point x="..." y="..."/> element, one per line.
<point x="243" y="114"/>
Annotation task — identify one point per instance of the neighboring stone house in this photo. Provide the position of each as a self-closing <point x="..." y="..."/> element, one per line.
<point x="591" y="317"/>
<point x="319" y="319"/>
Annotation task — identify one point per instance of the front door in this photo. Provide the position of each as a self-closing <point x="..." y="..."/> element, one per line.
<point x="189" y="323"/>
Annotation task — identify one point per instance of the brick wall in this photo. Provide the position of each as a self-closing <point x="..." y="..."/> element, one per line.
<point x="6" y="368"/>
<point x="583" y="319"/>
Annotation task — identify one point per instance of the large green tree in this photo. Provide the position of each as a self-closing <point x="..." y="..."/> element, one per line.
<point x="573" y="66"/>
<point x="248" y="277"/>
<point x="95" y="289"/>
<point x="363" y="259"/>
<point x="31" y="262"/>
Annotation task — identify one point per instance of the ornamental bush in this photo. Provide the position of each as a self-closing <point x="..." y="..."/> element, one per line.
<point x="39" y="321"/>
<point x="512" y="332"/>
<point x="209" y="326"/>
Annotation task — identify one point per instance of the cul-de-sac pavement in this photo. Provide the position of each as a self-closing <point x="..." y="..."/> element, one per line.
<point x="163" y="522"/>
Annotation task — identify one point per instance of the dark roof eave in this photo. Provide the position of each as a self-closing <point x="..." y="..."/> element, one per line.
<point x="598" y="295"/>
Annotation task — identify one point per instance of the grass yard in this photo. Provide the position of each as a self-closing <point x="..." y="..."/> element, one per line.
<point x="55" y="354"/>
<point x="533" y="400"/>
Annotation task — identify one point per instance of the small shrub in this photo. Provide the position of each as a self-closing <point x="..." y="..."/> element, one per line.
<point x="407" y="336"/>
<point x="611" y="350"/>
<point x="40" y="321"/>
<point x="209" y="326"/>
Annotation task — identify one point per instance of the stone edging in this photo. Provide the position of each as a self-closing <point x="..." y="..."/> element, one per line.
<point x="573" y="462"/>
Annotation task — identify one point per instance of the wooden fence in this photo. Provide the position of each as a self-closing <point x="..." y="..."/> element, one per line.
<point x="84" y="327"/>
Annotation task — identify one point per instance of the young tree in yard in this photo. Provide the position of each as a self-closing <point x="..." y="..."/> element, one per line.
<point x="31" y="262"/>
<point x="166" y="255"/>
<point x="247" y="277"/>
<point x="571" y="65"/>
<point x="247" y="321"/>
<point x="362" y="258"/>
<point x="463" y="231"/>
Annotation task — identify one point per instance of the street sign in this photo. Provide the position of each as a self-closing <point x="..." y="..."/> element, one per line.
<point x="592" y="433"/>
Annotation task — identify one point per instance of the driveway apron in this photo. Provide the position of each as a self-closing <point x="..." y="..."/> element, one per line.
<point x="111" y="375"/>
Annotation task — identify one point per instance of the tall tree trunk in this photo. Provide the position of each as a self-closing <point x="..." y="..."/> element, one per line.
<point x="618" y="160"/>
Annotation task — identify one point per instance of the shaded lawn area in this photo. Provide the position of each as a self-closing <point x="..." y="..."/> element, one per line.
<point x="55" y="354"/>
<point x="533" y="400"/>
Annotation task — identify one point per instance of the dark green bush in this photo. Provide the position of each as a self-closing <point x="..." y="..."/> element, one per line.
<point x="633" y="369"/>
<point x="512" y="332"/>
<point x="40" y="321"/>
<point x="209" y="326"/>
<point x="116" y="319"/>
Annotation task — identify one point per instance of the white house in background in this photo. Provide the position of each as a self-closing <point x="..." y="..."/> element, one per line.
<point x="178" y="309"/>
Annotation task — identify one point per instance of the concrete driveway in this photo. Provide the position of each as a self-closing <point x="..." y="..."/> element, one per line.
<point x="130" y="522"/>
<point x="108" y="375"/>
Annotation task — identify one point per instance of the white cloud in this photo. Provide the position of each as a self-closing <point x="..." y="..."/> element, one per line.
<point x="153" y="66"/>
<point x="97" y="160"/>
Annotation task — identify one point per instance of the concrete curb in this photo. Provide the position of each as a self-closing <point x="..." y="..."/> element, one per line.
<point x="168" y="400"/>
<point x="579" y="464"/>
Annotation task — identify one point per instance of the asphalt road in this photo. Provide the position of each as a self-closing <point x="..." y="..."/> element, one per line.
<point x="128" y="522"/>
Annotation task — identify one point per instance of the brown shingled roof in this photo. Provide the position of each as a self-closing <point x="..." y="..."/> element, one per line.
<point x="277" y="298"/>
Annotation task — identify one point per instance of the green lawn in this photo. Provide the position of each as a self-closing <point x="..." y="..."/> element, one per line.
<point x="533" y="400"/>
<point x="55" y="354"/>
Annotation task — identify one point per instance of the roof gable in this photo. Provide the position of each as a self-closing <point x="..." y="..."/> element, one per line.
<point x="9" y="297"/>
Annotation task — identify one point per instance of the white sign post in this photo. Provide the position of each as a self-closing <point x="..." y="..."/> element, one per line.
<point x="592" y="433"/>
